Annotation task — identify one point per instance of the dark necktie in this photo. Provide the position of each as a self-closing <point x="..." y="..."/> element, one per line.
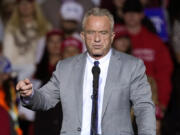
<point x="94" y="114"/>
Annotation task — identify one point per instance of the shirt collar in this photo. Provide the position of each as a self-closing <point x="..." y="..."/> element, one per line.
<point x="101" y="60"/>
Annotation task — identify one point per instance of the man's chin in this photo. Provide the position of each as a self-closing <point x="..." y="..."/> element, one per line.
<point x="97" y="55"/>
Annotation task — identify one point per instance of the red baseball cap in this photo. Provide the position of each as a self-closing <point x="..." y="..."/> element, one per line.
<point x="71" y="41"/>
<point x="54" y="32"/>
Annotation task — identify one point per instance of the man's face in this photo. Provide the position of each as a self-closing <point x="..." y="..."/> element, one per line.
<point x="97" y="35"/>
<point x="133" y="19"/>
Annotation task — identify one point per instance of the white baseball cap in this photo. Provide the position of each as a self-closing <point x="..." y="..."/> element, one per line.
<point x="71" y="10"/>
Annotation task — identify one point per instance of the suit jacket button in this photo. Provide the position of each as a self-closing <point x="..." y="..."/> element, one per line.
<point x="79" y="129"/>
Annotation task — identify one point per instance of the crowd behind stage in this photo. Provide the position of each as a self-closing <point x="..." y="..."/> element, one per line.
<point x="36" y="34"/>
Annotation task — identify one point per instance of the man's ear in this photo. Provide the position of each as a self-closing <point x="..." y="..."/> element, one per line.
<point x="82" y="35"/>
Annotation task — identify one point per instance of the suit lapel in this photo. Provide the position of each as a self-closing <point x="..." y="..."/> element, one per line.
<point x="79" y="77"/>
<point x="114" y="65"/>
<point x="79" y="71"/>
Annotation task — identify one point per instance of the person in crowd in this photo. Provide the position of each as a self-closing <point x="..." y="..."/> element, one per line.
<point x="122" y="42"/>
<point x="8" y="99"/>
<point x="119" y="19"/>
<point x="150" y="49"/>
<point x="71" y="13"/>
<point x="51" y="56"/>
<point x="122" y="80"/>
<point x="22" y="34"/>
<point x="71" y="47"/>
<point x="49" y="122"/>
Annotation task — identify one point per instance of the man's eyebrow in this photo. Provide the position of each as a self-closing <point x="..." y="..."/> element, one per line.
<point x="103" y="31"/>
<point x="98" y="31"/>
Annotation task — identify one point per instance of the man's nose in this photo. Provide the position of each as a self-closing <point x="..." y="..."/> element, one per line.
<point x="97" y="37"/>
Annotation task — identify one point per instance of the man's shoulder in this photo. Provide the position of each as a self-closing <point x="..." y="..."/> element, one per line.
<point x="124" y="56"/>
<point x="72" y="61"/>
<point x="127" y="63"/>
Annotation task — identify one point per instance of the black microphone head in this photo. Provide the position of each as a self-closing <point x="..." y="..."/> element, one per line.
<point x="96" y="70"/>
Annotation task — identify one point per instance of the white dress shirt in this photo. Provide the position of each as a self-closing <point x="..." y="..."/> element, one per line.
<point x="88" y="91"/>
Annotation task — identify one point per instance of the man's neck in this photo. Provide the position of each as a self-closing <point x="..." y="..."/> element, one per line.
<point x="134" y="30"/>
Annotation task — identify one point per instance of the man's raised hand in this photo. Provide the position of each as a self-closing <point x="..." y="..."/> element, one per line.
<point x="24" y="87"/>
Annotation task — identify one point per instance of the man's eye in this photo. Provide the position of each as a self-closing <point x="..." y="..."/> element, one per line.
<point x="104" y="32"/>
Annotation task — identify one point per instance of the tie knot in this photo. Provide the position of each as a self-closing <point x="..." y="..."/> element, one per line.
<point x="96" y="63"/>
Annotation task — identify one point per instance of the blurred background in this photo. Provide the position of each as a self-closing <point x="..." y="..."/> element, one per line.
<point x="36" y="34"/>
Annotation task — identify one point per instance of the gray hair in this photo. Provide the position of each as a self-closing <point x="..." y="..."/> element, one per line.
<point x="98" y="12"/>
